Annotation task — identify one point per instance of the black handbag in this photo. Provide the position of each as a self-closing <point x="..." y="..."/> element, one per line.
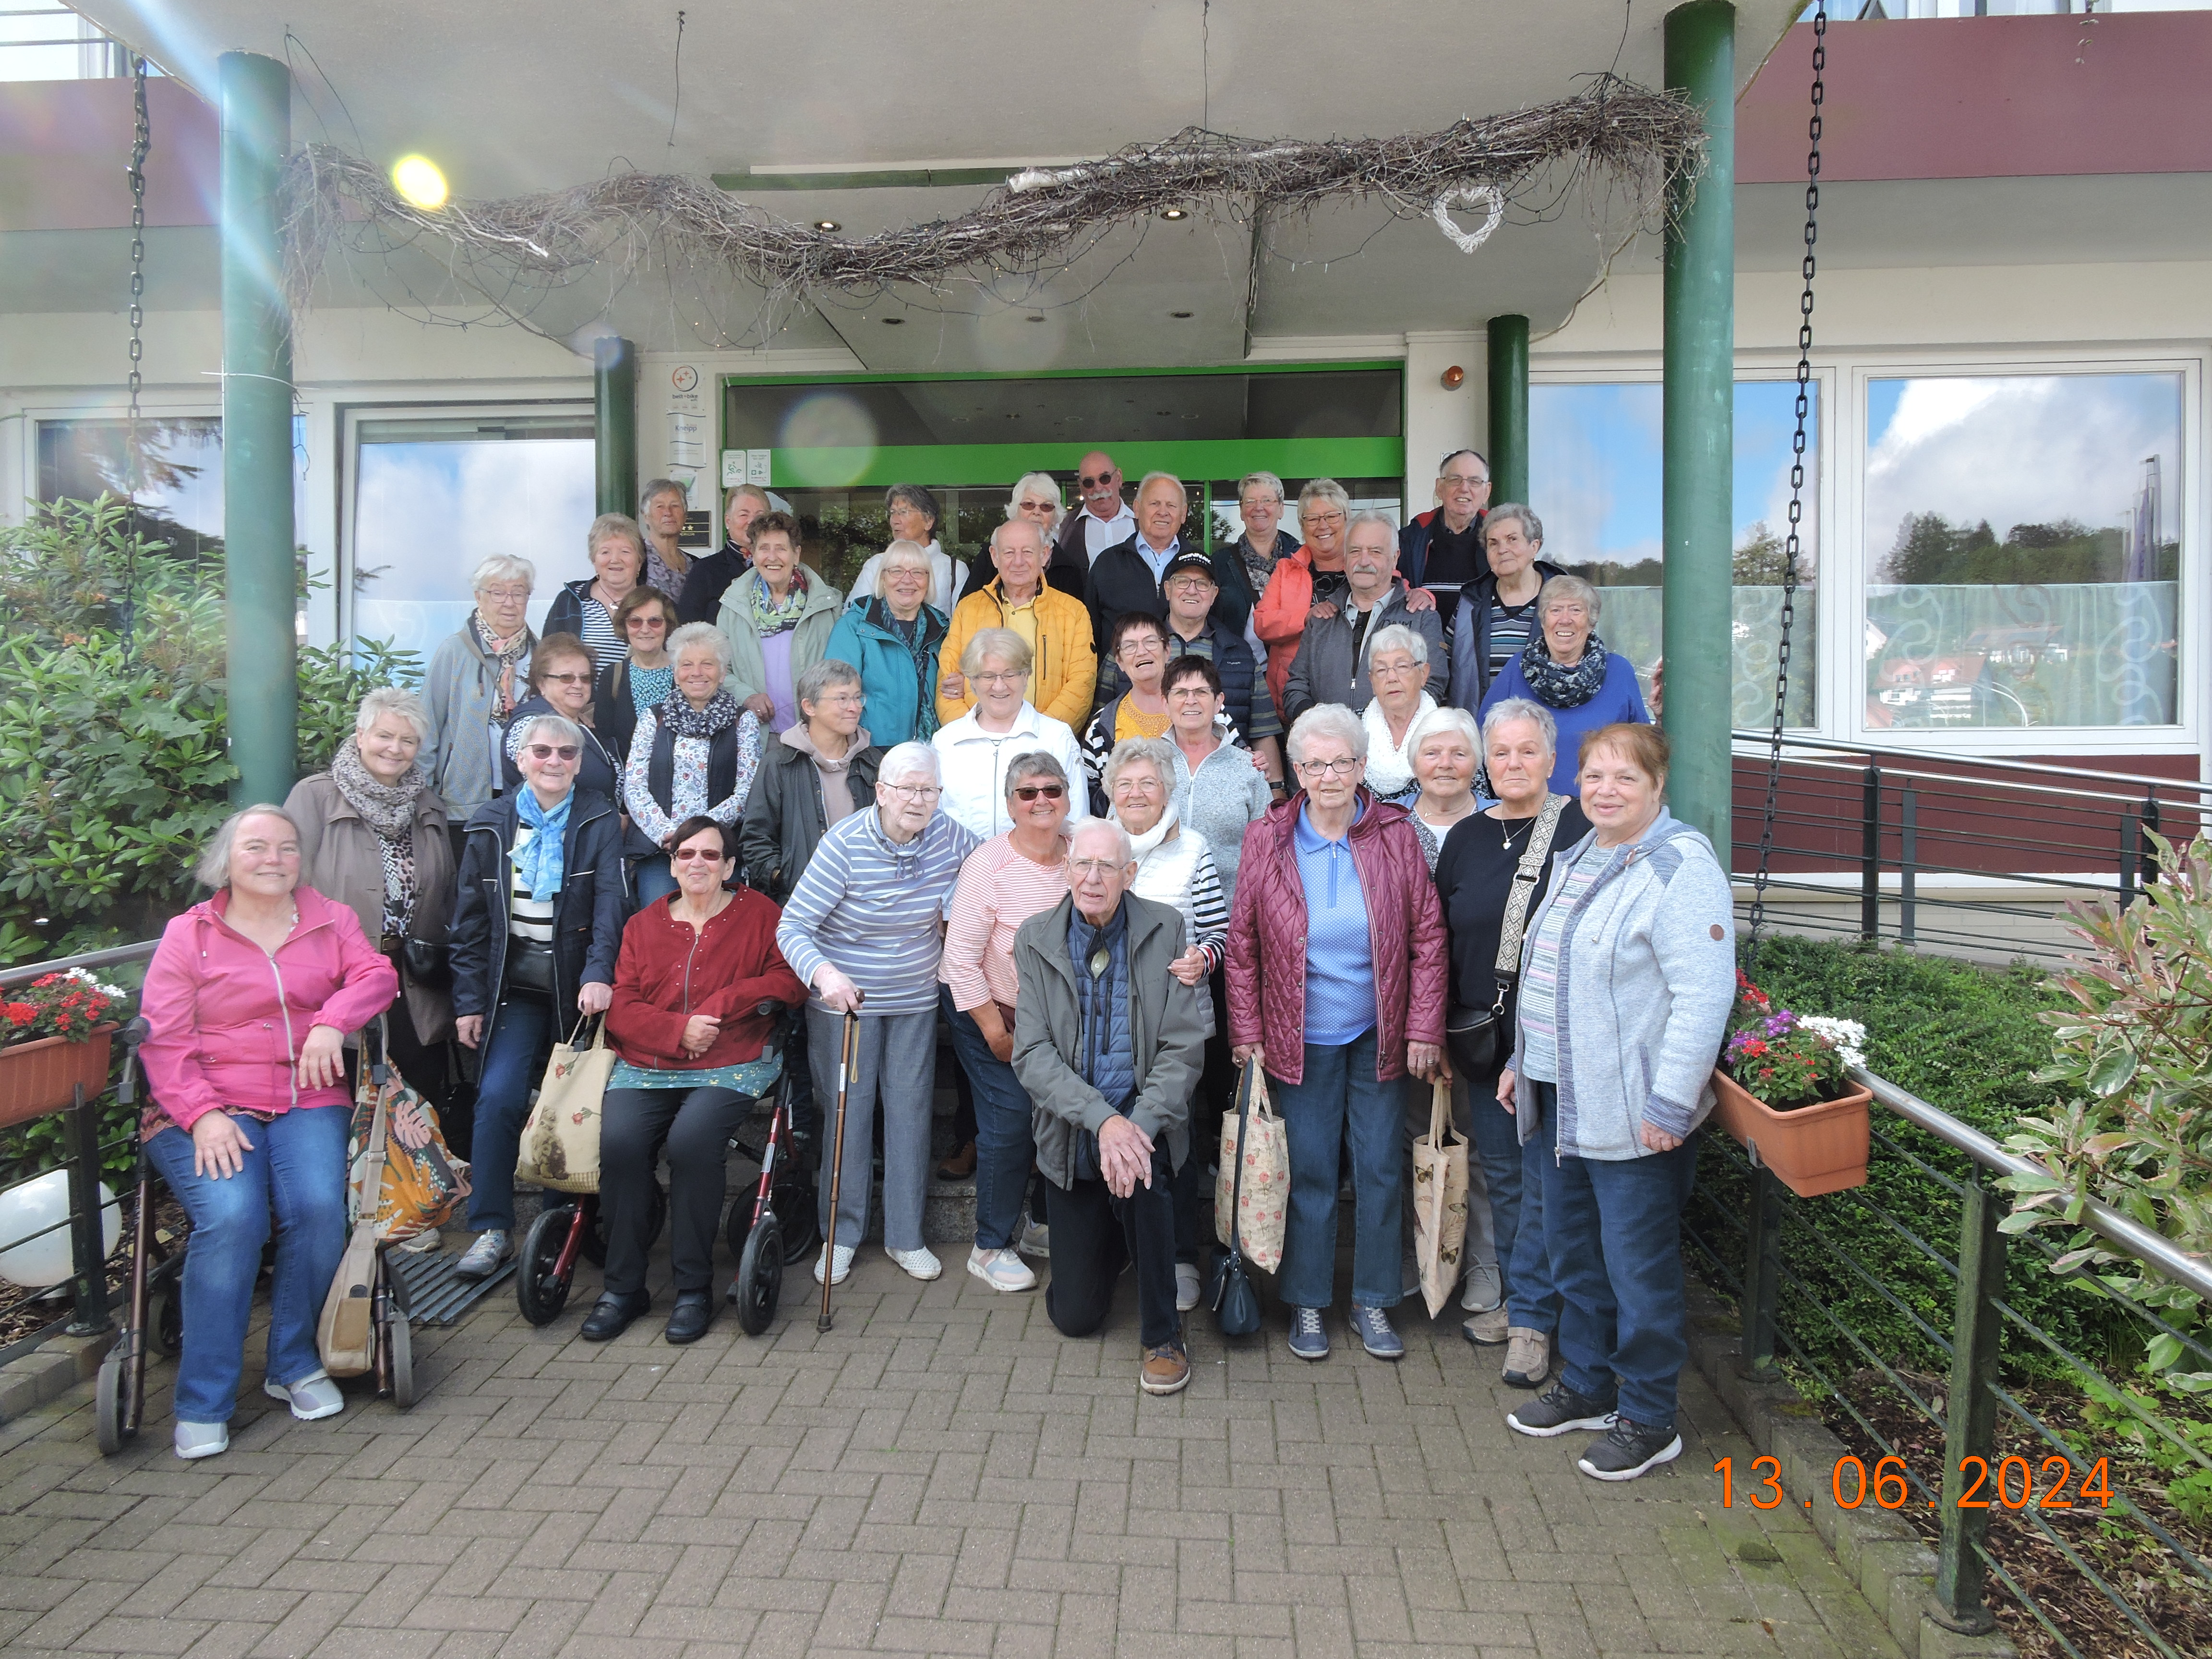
<point x="1479" y="1037"/>
<point x="1235" y="1305"/>
<point x="530" y="966"/>
<point x="427" y="964"/>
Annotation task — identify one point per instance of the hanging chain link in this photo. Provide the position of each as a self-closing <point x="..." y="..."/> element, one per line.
<point x="142" y="140"/>
<point x="1792" y="545"/>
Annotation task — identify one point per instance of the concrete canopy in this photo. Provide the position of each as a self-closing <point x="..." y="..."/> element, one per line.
<point x="509" y="97"/>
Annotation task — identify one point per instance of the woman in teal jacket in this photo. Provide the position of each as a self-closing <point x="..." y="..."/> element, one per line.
<point x="893" y="637"/>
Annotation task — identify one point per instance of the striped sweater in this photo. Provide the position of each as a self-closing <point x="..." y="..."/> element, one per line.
<point x="999" y="889"/>
<point x="874" y="910"/>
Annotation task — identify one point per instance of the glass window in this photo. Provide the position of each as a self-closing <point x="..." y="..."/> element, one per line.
<point x="2023" y="551"/>
<point x="435" y="496"/>
<point x="1595" y="469"/>
<point x="180" y="492"/>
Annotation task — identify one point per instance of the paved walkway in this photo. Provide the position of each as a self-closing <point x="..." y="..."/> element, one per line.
<point x="942" y="1473"/>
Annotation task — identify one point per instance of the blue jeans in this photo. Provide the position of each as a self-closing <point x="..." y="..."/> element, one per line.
<point x="518" y="1042"/>
<point x="654" y="880"/>
<point x="296" y="1169"/>
<point x="1516" y="1176"/>
<point x="1614" y="1228"/>
<point x="1339" y="1100"/>
<point x="1005" y="1147"/>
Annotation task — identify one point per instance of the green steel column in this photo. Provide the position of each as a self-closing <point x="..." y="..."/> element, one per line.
<point x="1698" y="524"/>
<point x="257" y="533"/>
<point x="1509" y="409"/>
<point x="614" y="419"/>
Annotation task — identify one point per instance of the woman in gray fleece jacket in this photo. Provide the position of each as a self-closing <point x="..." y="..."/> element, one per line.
<point x="1627" y="975"/>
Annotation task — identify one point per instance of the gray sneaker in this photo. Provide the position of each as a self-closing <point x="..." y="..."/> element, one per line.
<point x="1560" y="1410"/>
<point x="482" y="1258"/>
<point x="1486" y="1330"/>
<point x="1527" y="1357"/>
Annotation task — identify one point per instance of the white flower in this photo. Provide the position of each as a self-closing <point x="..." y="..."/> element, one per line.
<point x="1846" y="1036"/>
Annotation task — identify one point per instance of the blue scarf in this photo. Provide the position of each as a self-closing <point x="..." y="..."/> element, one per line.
<point x="539" y="858"/>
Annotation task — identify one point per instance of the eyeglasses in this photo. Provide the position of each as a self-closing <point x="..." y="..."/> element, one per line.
<point x="1132" y="648"/>
<point x="1192" y="583"/>
<point x="911" y="791"/>
<point x="647" y="622"/>
<point x="1092" y="870"/>
<point x="1029" y="792"/>
<point x="513" y="595"/>
<point x="567" y="751"/>
<point x="1102" y="479"/>
<point x="567" y="679"/>
<point x="1331" y="517"/>
<point x="703" y="854"/>
<point x="1329" y="768"/>
<point x="1043" y="509"/>
<point x="1001" y="679"/>
<point x="1463" y="481"/>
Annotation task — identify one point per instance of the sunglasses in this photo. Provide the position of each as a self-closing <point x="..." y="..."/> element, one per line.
<point x="647" y="622"/>
<point x="567" y="679"/>
<point x="1027" y="791"/>
<point x="706" y="854"/>
<point x="1102" y="480"/>
<point x="567" y="751"/>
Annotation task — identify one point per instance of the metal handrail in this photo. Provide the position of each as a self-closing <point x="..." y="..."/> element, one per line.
<point x="1761" y="739"/>
<point x="107" y="958"/>
<point x="2131" y="1236"/>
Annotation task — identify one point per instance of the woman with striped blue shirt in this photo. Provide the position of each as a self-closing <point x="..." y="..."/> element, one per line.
<point x="863" y="930"/>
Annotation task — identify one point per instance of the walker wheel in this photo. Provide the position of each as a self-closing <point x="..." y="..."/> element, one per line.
<point x="793" y="1204"/>
<point x="399" y="1347"/>
<point x="541" y="1291"/>
<point x="594" y="1249"/>
<point x="759" y="1284"/>
<point x="169" y="1320"/>
<point x="111" y="1401"/>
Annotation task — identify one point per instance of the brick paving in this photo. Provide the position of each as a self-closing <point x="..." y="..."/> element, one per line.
<point x="942" y="1472"/>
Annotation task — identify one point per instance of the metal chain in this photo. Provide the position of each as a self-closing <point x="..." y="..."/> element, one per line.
<point x="142" y="140"/>
<point x="1792" y="546"/>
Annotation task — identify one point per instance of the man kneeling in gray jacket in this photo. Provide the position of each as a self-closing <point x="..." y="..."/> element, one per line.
<point x="1110" y="1045"/>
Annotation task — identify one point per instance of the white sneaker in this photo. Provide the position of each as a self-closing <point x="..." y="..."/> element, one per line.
<point x="202" y="1439"/>
<point x="1002" y="1270"/>
<point x="1483" y="1288"/>
<point x="840" y="1270"/>
<point x="310" y="1398"/>
<point x="1035" y="1239"/>
<point x="1188" y="1286"/>
<point x="916" y="1264"/>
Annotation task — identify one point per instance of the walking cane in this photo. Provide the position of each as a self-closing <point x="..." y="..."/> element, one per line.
<point x="851" y="1050"/>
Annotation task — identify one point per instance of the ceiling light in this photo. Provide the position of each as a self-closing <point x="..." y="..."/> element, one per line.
<point x="827" y="224"/>
<point x="419" y="182"/>
<point x="1037" y="316"/>
<point x="1173" y="213"/>
<point x="1183" y="315"/>
<point x="893" y="322"/>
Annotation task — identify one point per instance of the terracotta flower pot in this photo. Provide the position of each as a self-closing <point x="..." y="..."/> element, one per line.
<point x="1813" y="1149"/>
<point x="41" y="1077"/>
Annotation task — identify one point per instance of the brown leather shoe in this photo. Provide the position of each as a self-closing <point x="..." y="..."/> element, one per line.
<point x="960" y="1165"/>
<point x="1166" y="1370"/>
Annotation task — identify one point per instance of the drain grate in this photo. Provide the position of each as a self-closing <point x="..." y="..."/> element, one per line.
<point x="434" y="1295"/>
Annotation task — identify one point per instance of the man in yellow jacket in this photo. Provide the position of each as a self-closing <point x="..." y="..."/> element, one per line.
<point x="1056" y="627"/>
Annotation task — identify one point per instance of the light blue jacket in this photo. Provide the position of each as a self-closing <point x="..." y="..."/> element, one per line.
<point x="1647" y="976"/>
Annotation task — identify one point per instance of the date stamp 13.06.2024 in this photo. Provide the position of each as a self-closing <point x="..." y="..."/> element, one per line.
<point x="2012" y="1483"/>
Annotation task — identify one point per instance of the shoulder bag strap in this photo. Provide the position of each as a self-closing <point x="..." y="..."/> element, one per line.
<point x="371" y="1178"/>
<point x="1237" y="1179"/>
<point x="1525" y="878"/>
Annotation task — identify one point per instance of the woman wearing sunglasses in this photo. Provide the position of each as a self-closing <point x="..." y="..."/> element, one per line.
<point x="538" y="921"/>
<point x="561" y="683"/>
<point x="642" y="677"/>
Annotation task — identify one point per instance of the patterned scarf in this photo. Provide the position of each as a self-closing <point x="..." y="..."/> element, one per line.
<point x="770" y="618"/>
<point x="539" y="860"/>
<point x="504" y="655"/>
<point x="1561" y="687"/>
<point x="386" y="808"/>
<point x="678" y="718"/>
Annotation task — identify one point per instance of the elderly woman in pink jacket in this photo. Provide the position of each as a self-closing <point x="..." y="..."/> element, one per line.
<point x="248" y="998"/>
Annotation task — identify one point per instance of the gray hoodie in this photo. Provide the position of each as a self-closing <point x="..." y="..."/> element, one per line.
<point x="1647" y="976"/>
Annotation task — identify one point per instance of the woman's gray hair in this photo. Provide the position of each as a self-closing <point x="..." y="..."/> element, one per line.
<point x="1324" y="489"/>
<point x="1567" y="588"/>
<point x="917" y="498"/>
<point x="1035" y="484"/>
<point x="1267" y="481"/>
<point x="1327" y="719"/>
<point x="657" y="487"/>
<point x="400" y="704"/>
<point x="903" y="552"/>
<point x="818" y="677"/>
<point x="704" y="633"/>
<point x="1446" y="719"/>
<point x="212" y="867"/>
<point x="1370" y="515"/>
<point x="564" y="729"/>
<point x="608" y="525"/>
<point x="1532" y="528"/>
<point x="1130" y="750"/>
<point x="1036" y="763"/>
<point x="904" y="759"/>
<point x="1002" y="643"/>
<point x="1521" y="709"/>
<point x="1399" y="637"/>
<point x="504" y="569"/>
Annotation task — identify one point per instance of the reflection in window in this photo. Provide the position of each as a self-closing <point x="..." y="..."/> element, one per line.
<point x="1594" y="474"/>
<point x="436" y="497"/>
<point x="2023" y="551"/>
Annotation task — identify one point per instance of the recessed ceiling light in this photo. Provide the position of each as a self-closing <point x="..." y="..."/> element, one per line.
<point x="1183" y="314"/>
<point x="893" y="322"/>
<point x="1037" y="316"/>
<point x="1173" y="213"/>
<point x="827" y="224"/>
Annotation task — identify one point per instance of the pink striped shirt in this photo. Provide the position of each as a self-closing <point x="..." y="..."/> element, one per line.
<point x="999" y="889"/>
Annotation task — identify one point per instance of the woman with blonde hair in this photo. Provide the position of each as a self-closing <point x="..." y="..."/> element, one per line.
<point x="1567" y="668"/>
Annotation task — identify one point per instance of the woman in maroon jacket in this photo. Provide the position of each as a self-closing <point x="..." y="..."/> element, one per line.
<point x="1337" y="979"/>
<point x="693" y="970"/>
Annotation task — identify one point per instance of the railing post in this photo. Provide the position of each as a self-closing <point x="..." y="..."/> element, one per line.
<point x="1870" y="856"/>
<point x="2150" y="825"/>
<point x="2130" y="848"/>
<point x="1762" y="1269"/>
<point x="82" y="1134"/>
<point x="1908" y="889"/>
<point x="1969" y="1423"/>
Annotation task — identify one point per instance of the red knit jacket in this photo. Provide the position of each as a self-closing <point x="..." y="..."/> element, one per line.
<point x="668" y="971"/>
<point x="1268" y="939"/>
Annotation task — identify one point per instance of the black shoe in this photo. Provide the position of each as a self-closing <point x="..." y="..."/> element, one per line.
<point x="611" y="1315"/>
<point x="1560" y="1410"/>
<point x="1627" y="1450"/>
<point x="688" y="1319"/>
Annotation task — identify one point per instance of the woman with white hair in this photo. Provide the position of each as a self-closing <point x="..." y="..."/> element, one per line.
<point x="1337" y="977"/>
<point x="864" y="930"/>
<point x="1567" y="668"/>
<point x="1035" y="500"/>
<point x="537" y="923"/>
<point x="1398" y="669"/>
<point x="892" y="634"/>
<point x="694" y="754"/>
<point x="1445" y="749"/>
<point x="475" y="680"/>
<point x="373" y="838"/>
